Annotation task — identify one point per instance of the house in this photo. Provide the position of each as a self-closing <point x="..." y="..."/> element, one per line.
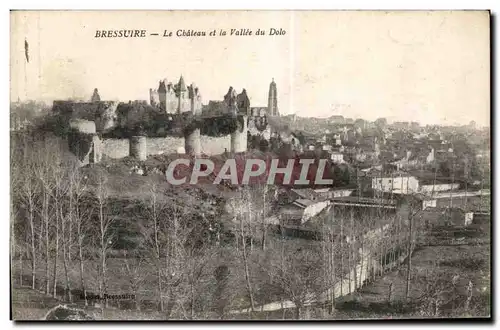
<point x="337" y="139"/>
<point x="426" y="201"/>
<point x="420" y="155"/>
<point x="360" y="156"/>
<point x="326" y="147"/>
<point x="437" y="187"/>
<point x="460" y="217"/>
<point x="447" y="217"/>
<point x="337" y="157"/>
<point x="304" y="193"/>
<point x="311" y="208"/>
<point x="300" y="211"/>
<point x="328" y="193"/>
<point x="397" y="182"/>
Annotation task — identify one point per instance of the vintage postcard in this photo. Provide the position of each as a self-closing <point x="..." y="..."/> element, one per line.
<point x="250" y="165"/>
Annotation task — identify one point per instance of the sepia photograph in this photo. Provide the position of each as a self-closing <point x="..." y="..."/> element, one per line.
<point x="284" y="165"/>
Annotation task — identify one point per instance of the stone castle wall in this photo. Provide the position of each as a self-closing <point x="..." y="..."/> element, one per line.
<point x="215" y="145"/>
<point x="115" y="148"/>
<point x="120" y="148"/>
<point x="166" y="145"/>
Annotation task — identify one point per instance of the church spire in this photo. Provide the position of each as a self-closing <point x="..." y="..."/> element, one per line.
<point x="272" y="101"/>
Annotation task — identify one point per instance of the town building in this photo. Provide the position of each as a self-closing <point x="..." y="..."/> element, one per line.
<point x="337" y="157"/>
<point x="397" y="183"/>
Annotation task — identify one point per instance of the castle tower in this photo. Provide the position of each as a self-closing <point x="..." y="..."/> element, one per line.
<point x="171" y="102"/>
<point x="194" y="99"/>
<point x="138" y="147"/>
<point x="192" y="142"/>
<point x="243" y="103"/>
<point x="95" y="96"/>
<point x="154" y="98"/>
<point x="183" y="101"/>
<point x="272" y="101"/>
<point x="151" y="97"/>
<point x="162" y="95"/>
<point x="239" y="138"/>
<point x="230" y="99"/>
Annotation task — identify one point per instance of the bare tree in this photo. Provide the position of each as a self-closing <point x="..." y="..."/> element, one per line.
<point x="64" y="209"/>
<point x="330" y="238"/>
<point x="134" y="268"/>
<point x="152" y="237"/>
<point x="352" y="252"/>
<point x="342" y="255"/>
<point x="80" y="214"/>
<point x="195" y="265"/>
<point x="44" y="177"/>
<point x="242" y="212"/>
<point x="245" y="262"/>
<point x="412" y="213"/>
<point x="104" y="231"/>
<point x="29" y="194"/>
<point x="298" y="278"/>
<point x="221" y="274"/>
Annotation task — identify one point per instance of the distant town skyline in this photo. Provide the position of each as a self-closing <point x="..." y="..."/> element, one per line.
<point x="429" y="67"/>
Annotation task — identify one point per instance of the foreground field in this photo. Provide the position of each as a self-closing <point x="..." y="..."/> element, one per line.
<point x="440" y="273"/>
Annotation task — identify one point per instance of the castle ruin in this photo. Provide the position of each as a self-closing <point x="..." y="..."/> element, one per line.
<point x="87" y="121"/>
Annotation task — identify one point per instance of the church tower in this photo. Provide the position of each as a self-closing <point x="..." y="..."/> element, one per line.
<point x="162" y="95"/>
<point x="272" y="101"/>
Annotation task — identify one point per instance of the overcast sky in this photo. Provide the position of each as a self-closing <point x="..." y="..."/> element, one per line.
<point x="431" y="67"/>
